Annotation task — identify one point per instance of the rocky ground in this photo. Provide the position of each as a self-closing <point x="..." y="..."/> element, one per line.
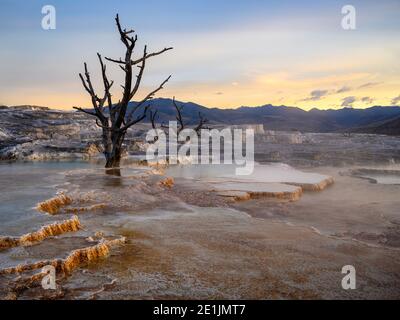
<point x="37" y="133"/>
<point x="31" y="134"/>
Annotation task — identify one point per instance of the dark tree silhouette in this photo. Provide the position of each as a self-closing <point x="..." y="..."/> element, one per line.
<point x="180" y="123"/>
<point x="114" y="118"/>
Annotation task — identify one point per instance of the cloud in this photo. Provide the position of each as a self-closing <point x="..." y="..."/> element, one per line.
<point x="369" y="84"/>
<point x="348" y="101"/>
<point x="316" y="95"/>
<point x="395" y="100"/>
<point x="219" y="93"/>
<point x="343" y="89"/>
<point x="367" y="100"/>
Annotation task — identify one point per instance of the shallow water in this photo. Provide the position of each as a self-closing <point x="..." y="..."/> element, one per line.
<point x="351" y="208"/>
<point x="270" y="173"/>
<point x="23" y="185"/>
<point x="254" y="249"/>
<point x="380" y="176"/>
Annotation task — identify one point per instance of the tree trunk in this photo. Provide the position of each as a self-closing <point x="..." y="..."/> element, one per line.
<point x="113" y="161"/>
<point x="113" y="117"/>
<point x="112" y="143"/>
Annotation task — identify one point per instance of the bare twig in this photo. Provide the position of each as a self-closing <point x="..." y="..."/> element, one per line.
<point x="115" y="123"/>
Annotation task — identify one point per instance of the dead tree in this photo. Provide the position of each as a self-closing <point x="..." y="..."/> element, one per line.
<point x="200" y="125"/>
<point x="153" y="123"/>
<point x="114" y="119"/>
<point x="178" y="117"/>
<point x="181" y="125"/>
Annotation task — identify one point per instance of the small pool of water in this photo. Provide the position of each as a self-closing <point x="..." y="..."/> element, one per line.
<point x="269" y="173"/>
<point x="379" y="176"/>
<point x="23" y="185"/>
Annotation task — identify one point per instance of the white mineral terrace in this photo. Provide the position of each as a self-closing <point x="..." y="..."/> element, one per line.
<point x="268" y="180"/>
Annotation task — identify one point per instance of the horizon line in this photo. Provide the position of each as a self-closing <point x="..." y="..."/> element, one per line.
<point x="208" y="107"/>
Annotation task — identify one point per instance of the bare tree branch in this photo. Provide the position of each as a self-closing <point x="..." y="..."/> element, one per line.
<point x="139" y="76"/>
<point x="150" y="55"/>
<point x="128" y="41"/>
<point x="120" y="61"/>
<point x="134" y="62"/>
<point x="96" y="102"/>
<point x="116" y="122"/>
<point x="202" y="121"/>
<point x="138" y="119"/>
<point x="107" y="86"/>
<point x="85" y="111"/>
<point x="178" y="116"/>
<point x="181" y="124"/>
<point x="153" y="118"/>
<point x="149" y="96"/>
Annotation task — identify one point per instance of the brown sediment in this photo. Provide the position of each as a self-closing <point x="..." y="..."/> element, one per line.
<point x="53" y="205"/>
<point x="64" y="267"/>
<point x="96" y="237"/>
<point x="74" y="260"/>
<point x="91" y="150"/>
<point x="50" y="230"/>
<point x="235" y="195"/>
<point x="284" y="195"/>
<point x="314" y="186"/>
<point x="156" y="165"/>
<point x="158" y="171"/>
<point x="8" y="242"/>
<point x="86" y="255"/>
<point x="44" y="232"/>
<point x="22" y="283"/>
<point x="259" y="190"/>
<point x="87" y="208"/>
<point x="167" y="182"/>
<point x="247" y="195"/>
<point x="243" y="196"/>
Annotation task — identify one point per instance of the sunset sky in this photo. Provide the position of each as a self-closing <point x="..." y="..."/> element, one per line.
<point x="226" y="53"/>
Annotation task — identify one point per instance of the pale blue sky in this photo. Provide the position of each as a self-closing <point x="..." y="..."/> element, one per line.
<point x="226" y="53"/>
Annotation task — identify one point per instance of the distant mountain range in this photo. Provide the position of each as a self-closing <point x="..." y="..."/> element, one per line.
<point x="377" y="119"/>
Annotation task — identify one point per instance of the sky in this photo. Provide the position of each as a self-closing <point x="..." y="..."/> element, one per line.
<point x="226" y="53"/>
